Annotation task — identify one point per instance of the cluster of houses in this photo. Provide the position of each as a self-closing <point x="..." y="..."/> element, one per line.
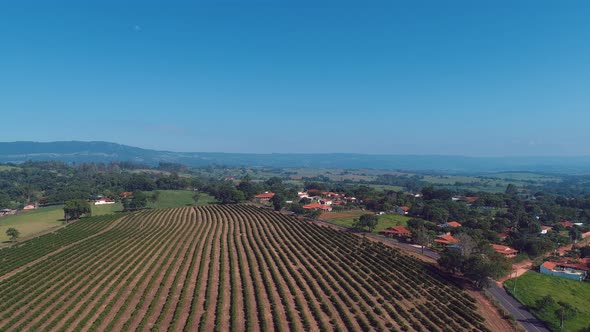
<point x="319" y="200"/>
<point x="446" y="239"/>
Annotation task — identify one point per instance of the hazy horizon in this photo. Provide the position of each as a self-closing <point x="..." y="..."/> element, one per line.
<point x="458" y="78"/>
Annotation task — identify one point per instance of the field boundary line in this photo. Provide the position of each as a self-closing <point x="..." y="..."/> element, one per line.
<point x="57" y="251"/>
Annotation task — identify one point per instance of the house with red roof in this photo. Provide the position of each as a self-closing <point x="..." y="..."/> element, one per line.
<point x="103" y="201"/>
<point x="318" y="206"/>
<point x="505" y="250"/>
<point x="126" y="194"/>
<point x="545" y="229"/>
<point x="567" y="224"/>
<point x="565" y="270"/>
<point x="265" y="196"/>
<point x="452" y="224"/>
<point x="446" y="239"/>
<point x="29" y="207"/>
<point x="399" y="231"/>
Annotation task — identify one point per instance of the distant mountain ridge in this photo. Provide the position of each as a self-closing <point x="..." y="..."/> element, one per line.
<point x="78" y="151"/>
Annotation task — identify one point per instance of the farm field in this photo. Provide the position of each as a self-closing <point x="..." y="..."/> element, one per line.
<point x="221" y="268"/>
<point x="346" y="218"/>
<point x="532" y="286"/>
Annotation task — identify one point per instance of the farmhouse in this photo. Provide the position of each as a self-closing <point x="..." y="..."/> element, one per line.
<point x="7" y="212"/>
<point x="399" y="231"/>
<point x="403" y="210"/>
<point x="452" y="224"/>
<point x="545" y="229"/>
<point x="567" y="224"/>
<point x="126" y="194"/>
<point x="265" y="197"/>
<point x="103" y="201"/>
<point x="565" y="270"/>
<point x="505" y="250"/>
<point x="318" y="206"/>
<point x="446" y="239"/>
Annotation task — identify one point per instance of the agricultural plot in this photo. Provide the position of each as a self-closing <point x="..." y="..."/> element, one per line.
<point x="221" y="268"/>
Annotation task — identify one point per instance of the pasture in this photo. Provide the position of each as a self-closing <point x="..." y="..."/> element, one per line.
<point x="532" y="286"/>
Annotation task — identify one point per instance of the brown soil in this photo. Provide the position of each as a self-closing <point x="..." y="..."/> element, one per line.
<point x="494" y="318"/>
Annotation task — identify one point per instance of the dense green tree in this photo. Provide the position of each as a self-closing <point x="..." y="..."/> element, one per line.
<point x="368" y="221"/>
<point x="422" y="236"/>
<point x="138" y="201"/>
<point x="75" y="208"/>
<point x="451" y="260"/>
<point x="278" y="201"/>
<point x="564" y="312"/>
<point x="13" y="234"/>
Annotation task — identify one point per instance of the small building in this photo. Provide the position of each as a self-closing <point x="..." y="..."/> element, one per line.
<point x="565" y="270"/>
<point x="452" y="224"/>
<point x="446" y="239"/>
<point x="567" y="224"/>
<point x="403" y="210"/>
<point x="7" y="212"/>
<point x="126" y="194"/>
<point x="505" y="250"/>
<point x="545" y="229"/>
<point x="265" y="196"/>
<point x="399" y="231"/>
<point x="318" y="206"/>
<point x="104" y="201"/>
<point x="29" y="207"/>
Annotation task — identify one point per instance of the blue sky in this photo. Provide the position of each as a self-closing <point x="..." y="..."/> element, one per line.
<point x="480" y="78"/>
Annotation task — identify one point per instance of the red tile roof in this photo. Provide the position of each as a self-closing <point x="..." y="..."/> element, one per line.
<point x="471" y="199"/>
<point x="396" y="230"/>
<point x="567" y="224"/>
<point x="126" y="194"/>
<point x="543" y="228"/>
<point x="453" y="224"/>
<point x="268" y="195"/>
<point x="446" y="239"/>
<point x="553" y="265"/>
<point x="405" y="208"/>
<point x="316" y="205"/>
<point x="504" y="250"/>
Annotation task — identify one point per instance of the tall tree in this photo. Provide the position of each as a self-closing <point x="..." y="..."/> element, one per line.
<point x="422" y="236"/>
<point x="278" y="201"/>
<point x="75" y="208"/>
<point x="564" y="312"/>
<point x="13" y="234"/>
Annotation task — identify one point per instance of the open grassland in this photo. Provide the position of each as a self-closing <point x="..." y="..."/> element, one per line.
<point x="32" y="222"/>
<point x="222" y="268"/>
<point x="346" y="218"/>
<point x="6" y="168"/>
<point x="532" y="286"/>
<point x="178" y="198"/>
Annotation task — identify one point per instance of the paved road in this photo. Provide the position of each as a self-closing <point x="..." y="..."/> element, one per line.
<point x="526" y="319"/>
<point x="520" y="313"/>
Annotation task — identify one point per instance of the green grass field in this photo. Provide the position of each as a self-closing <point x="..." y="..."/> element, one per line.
<point x="6" y="168"/>
<point x="346" y="218"/>
<point x="531" y="286"/>
<point x="177" y="198"/>
<point x="31" y="222"/>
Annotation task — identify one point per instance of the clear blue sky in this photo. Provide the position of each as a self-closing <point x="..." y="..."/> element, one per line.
<point x="414" y="77"/>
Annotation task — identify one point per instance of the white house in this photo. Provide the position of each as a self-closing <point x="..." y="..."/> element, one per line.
<point x="103" y="201"/>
